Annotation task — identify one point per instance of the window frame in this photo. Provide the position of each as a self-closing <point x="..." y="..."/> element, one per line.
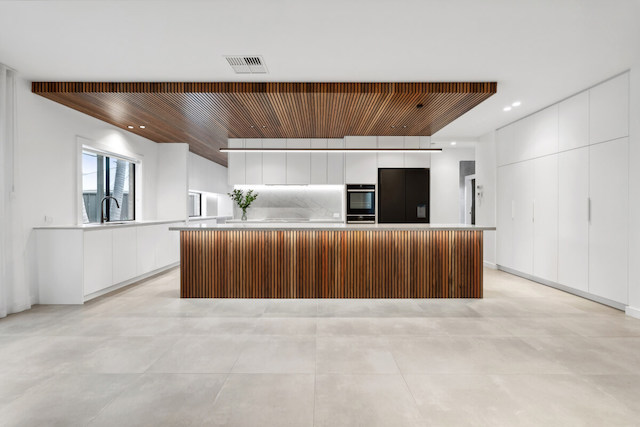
<point x="87" y="145"/>
<point x="189" y="193"/>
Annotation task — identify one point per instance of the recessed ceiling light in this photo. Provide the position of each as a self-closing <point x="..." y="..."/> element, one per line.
<point x="252" y="126"/>
<point x="516" y="104"/>
<point x="453" y="143"/>
<point x="404" y="127"/>
<point x="263" y="127"/>
<point x="393" y="127"/>
<point x="507" y="108"/>
<point x="142" y="126"/>
<point x="130" y="127"/>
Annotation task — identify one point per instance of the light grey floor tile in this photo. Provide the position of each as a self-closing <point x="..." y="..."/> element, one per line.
<point x="364" y="400"/>
<point x="471" y="355"/>
<point x="195" y="354"/>
<point x="64" y="400"/>
<point x="373" y="326"/>
<point x="265" y="400"/>
<point x="277" y="354"/>
<point x="285" y="326"/>
<point x="164" y="400"/>
<point x="354" y="354"/>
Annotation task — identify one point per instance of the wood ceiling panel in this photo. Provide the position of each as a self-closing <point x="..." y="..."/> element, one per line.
<point x="205" y="115"/>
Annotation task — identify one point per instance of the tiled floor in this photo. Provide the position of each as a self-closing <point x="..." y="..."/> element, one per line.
<point x="524" y="355"/>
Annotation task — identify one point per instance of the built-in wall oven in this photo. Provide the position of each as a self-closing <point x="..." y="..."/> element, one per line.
<point x="361" y="203"/>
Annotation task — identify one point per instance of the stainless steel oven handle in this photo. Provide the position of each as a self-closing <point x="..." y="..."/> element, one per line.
<point x="361" y="222"/>
<point x="361" y="191"/>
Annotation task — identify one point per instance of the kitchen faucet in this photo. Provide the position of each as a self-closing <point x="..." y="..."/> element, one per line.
<point x="102" y="217"/>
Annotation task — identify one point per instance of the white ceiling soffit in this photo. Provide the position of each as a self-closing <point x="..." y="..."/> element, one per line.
<point x="247" y="64"/>
<point x="539" y="51"/>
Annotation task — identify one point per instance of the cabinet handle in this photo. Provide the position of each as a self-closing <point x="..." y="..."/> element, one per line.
<point x="533" y="211"/>
<point x="589" y="210"/>
<point x="513" y="209"/>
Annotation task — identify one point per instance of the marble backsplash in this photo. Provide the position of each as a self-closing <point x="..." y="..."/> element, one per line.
<point x="295" y="202"/>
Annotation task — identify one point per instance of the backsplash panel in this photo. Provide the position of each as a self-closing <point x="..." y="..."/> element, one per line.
<point x="321" y="202"/>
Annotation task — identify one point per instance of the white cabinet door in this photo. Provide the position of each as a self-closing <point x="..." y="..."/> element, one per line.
<point x="237" y="163"/>
<point x="298" y="164"/>
<point x="545" y="217"/>
<point x="608" y="231"/>
<point x="98" y="260"/>
<point x="413" y="160"/>
<point x="573" y="219"/>
<point x="361" y="168"/>
<point x="573" y="122"/>
<point x="125" y="251"/>
<point x="335" y="162"/>
<point x="274" y="165"/>
<point x="504" y="215"/>
<point x="146" y="252"/>
<point x="609" y="110"/>
<point x="253" y="166"/>
<point x="319" y="162"/>
<point x="541" y="134"/>
<point x="523" y="217"/>
<point x="505" y="145"/>
<point x="167" y="245"/>
<point x="390" y="160"/>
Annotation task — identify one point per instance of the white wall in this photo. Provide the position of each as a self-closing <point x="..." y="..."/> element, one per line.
<point x="172" y="178"/>
<point x="486" y="202"/>
<point x="445" y="184"/>
<point x="634" y="191"/>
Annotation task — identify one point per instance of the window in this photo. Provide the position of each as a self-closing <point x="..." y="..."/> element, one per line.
<point x="195" y="204"/>
<point x="105" y="178"/>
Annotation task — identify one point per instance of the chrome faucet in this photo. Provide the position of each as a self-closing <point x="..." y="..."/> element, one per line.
<point x="103" y="218"/>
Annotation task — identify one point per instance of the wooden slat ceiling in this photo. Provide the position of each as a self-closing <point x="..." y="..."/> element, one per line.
<point x="205" y="115"/>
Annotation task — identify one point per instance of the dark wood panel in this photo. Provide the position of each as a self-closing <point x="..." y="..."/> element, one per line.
<point x="331" y="264"/>
<point x="205" y="115"/>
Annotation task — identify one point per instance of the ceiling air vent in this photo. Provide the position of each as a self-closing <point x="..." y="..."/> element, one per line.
<point x="242" y="64"/>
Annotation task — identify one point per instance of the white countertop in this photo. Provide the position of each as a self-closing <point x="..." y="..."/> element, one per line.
<point x="98" y="226"/>
<point x="245" y="225"/>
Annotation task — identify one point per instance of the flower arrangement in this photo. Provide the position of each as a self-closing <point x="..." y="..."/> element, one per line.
<point x="243" y="200"/>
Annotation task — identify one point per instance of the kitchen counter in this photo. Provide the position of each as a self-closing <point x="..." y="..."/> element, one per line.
<point x="324" y="260"/>
<point x="117" y="224"/>
<point x="341" y="226"/>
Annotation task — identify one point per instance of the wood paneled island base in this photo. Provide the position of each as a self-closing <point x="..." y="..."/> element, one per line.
<point x="319" y="263"/>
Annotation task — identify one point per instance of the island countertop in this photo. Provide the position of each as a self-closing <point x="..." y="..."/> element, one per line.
<point x="310" y="225"/>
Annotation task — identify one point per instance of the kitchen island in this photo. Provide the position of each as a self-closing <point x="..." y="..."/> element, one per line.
<point x="328" y="260"/>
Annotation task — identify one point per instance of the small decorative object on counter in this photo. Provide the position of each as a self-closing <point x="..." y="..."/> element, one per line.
<point x="243" y="200"/>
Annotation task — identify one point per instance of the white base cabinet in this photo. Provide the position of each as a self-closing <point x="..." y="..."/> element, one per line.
<point x="78" y="264"/>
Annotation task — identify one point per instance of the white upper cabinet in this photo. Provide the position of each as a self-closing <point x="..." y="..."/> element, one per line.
<point x="537" y="135"/>
<point x="319" y="162"/>
<point x="609" y="110"/>
<point x="573" y="122"/>
<point x="417" y="160"/>
<point x="335" y="162"/>
<point x="298" y="164"/>
<point x="573" y="219"/>
<point x="545" y="217"/>
<point x="361" y="168"/>
<point x="253" y="163"/>
<point x="391" y="160"/>
<point x="236" y="163"/>
<point x="505" y="145"/>
<point x="609" y="231"/>
<point x="274" y="165"/>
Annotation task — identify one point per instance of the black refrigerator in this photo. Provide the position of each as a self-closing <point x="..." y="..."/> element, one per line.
<point x="403" y="195"/>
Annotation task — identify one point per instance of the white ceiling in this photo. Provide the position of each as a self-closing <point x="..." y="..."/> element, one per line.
<point x="539" y="51"/>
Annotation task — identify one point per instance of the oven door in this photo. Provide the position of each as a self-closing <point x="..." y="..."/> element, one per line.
<point x="361" y="202"/>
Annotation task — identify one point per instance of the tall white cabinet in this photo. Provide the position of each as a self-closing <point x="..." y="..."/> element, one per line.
<point x="562" y="193"/>
<point x="608" y="231"/>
